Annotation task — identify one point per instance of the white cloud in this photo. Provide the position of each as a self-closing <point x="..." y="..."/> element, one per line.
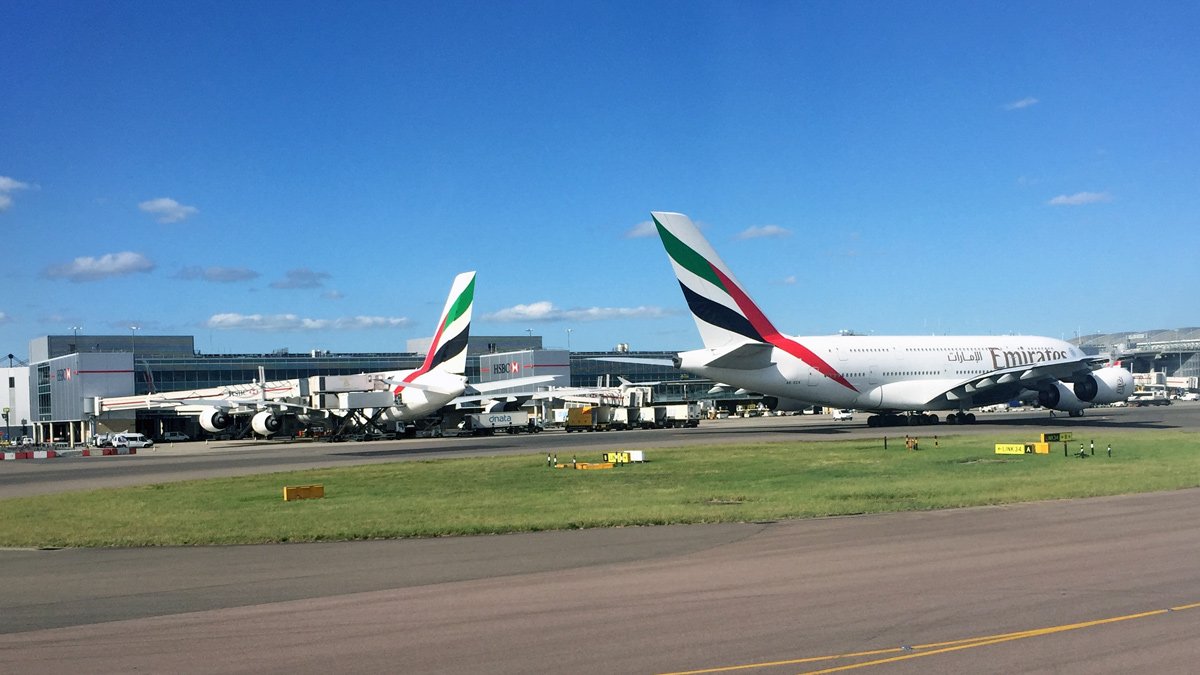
<point x="4" y="318"/>
<point x="333" y="295"/>
<point x="760" y="231"/>
<point x="1080" y="198"/>
<point x="546" y="311"/>
<point x="106" y="266"/>
<point x="643" y="229"/>
<point x="8" y="185"/>
<point x="301" y="278"/>
<point x="1023" y="103"/>
<point x="293" y="322"/>
<point x="167" y="210"/>
<point x="788" y="280"/>
<point x="219" y="275"/>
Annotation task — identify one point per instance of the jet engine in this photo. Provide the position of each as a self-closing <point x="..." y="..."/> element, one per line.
<point x="214" y="420"/>
<point x="265" y="423"/>
<point x="1107" y="385"/>
<point x="785" y="404"/>
<point x="1057" y="396"/>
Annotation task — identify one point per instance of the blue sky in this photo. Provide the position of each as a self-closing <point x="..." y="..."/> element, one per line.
<point x="313" y="175"/>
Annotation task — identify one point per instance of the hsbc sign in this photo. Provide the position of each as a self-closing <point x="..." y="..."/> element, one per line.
<point x="506" y="368"/>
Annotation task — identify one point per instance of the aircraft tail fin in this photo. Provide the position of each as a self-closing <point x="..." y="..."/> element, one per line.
<point x="731" y="325"/>
<point x="724" y="313"/>
<point x="448" y="351"/>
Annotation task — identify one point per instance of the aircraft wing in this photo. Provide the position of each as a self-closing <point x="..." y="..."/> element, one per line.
<point x="232" y="396"/>
<point x="1022" y="377"/>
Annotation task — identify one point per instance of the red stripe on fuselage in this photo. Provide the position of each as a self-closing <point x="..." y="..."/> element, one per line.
<point x="773" y="337"/>
<point x="433" y="348"/>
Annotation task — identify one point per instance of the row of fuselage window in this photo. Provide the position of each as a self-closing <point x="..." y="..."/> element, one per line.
<point x="917" y="373"/>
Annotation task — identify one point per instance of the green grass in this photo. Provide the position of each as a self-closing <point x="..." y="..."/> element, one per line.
<point x="767" y="481"/>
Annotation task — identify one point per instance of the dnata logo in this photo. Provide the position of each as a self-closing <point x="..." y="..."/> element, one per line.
<point x="505" y="368"/>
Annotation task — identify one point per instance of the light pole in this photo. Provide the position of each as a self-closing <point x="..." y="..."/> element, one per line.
<point x="76" y="329"/>
<point x="132" y="332"/>
<point x="1179" y="339"/>
<point x="569" y="330"/>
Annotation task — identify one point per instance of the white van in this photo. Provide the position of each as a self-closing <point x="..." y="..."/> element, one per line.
<point x="843" y="415"/>
<point x="131" y="441"/>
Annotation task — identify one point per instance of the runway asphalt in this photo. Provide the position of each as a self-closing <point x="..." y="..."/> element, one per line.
<point x="1087" y="586"/>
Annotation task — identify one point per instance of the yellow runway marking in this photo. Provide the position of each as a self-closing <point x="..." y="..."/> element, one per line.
<point x="933" y="648"/>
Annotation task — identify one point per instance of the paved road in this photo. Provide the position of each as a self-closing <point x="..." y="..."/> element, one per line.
<point x="1087" y="586"/>
<point x="1063" y="587"/>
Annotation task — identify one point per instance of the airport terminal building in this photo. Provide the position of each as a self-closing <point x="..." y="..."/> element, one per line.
<point x="67" y="373"/>
<point x="1174" y="355"/>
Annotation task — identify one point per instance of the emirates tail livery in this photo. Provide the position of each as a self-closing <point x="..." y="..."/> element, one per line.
<point x="887" y="375"/>
<point x="442" y="377"/>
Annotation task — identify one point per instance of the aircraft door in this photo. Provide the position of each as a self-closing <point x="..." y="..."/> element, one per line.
<point x="872" y="397"/>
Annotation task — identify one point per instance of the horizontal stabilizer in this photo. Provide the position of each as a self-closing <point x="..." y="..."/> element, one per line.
<point x="435" y="387"/>
<point x="647" y="360"/>
<point x="482" y="387"/>
<point x="746" y="356"/>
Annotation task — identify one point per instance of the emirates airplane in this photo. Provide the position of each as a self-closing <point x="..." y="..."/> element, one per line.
<point x="904" y="379"/>
<point x="403" y="395"/>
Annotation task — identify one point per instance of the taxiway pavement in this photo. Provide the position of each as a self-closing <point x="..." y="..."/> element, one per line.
<point x="1102" y="585"/>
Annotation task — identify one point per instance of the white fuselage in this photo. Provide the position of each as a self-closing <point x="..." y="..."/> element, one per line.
<point x="438" y="388"/>
<point x="895" y="372"/>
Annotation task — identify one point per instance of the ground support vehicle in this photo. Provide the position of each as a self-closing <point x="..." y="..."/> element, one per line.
<point x="487" y="424"/>
<point x="1145" y="398"/>
<point x="652" y="417"/>
<point x="589" y="418"/>
<point x="131" y="440"/>
<point x="626" y="417"/>
<point x="682" y="414"/>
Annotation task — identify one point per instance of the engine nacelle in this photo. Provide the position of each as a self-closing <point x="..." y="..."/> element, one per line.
<point x="1057" y="396"/>
<point x="214" y="420"/>
<point x="265" y="423"/>
<point x="1107" y="385"/>
<point x="785" y="404"/>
